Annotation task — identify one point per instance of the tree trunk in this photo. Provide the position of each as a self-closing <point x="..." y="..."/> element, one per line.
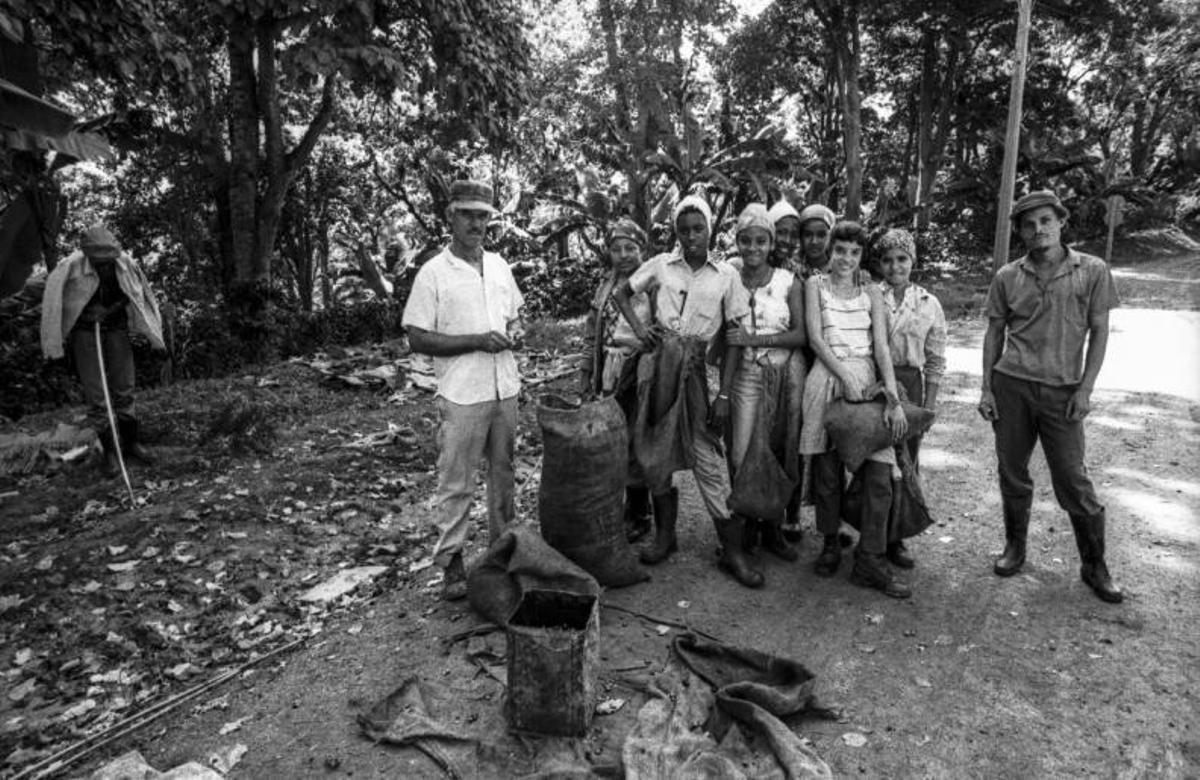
<point x="852" y="112"/>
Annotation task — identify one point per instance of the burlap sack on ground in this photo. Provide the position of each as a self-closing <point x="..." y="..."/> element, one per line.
<point x="581" y="499"/>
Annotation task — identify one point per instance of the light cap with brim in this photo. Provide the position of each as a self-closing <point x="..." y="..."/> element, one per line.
<point x="693" y="203"/>
<point x="1036" y="199"/>
<point x="98" y="241"/>
<point x="818" y="212"/>
<point x="468" y="195"/>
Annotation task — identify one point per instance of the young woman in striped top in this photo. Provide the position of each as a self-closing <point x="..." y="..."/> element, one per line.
<point x="847" y="330"/>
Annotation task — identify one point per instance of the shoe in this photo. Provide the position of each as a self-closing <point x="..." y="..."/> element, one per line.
<point x="830" y="559"/>
<point x="454" y="582"/>
<point x="731" y="531"/>
<point x="130" y="447"/>
<point x="666" y="509"/>
<point x="1089" y="538"/>
<point x="639" y="516"/>
<point x="1016" y="529"/>
<point x="897" y="555"/>
<point x="871" y="571"/>
<point x="774" y="542"/>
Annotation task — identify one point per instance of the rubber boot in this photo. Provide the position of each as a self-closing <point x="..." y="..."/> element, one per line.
<point x="111" y="466"/>
<point x="897" y="555"/>
<point x="666" y="510"/>
<point x="454" y="582"/>
<point x="774" y="542"/>
<point x="1089" y="538"/>
<point x="638" y="515"/>
<point x="753" y="537"/>
<point x="1016" y="529"/>
<point x="791" y="529"/>
<point x="731" y="531"/>
<point x="830" y="559"/>
<point x="130" y="447"/>
<point x="871" y="571"/>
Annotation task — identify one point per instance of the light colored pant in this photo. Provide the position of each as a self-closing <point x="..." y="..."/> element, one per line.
<point x="468" y="434"/>
<point x="744" y="400"/>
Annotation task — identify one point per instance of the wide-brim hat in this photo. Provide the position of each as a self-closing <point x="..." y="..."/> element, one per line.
<point x="98" y="241"/>
<point x="470" y="195"/>
<point x="1036" y="199"/>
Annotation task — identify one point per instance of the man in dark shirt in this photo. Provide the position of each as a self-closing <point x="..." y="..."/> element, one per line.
<point x="1045" y="342"/>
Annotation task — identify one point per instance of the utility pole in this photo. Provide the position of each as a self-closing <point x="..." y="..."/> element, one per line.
<point x="1012" y="135"/>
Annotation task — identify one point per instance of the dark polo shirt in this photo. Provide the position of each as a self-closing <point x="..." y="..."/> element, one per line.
<point x="1047" y="322"/>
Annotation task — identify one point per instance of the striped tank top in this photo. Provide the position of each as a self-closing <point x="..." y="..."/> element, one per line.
<point x="845" y="323"/>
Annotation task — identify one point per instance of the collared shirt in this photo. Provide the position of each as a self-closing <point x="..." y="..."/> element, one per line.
<point x="916" y="330"/>
<point x="692" y="303"/>
<point x="450" y="297"/>
<point x="1047" y="322"/>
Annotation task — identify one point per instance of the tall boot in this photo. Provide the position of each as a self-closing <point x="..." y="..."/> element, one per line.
<point x="666" y="510"/>
<point x="774" y="541"/>
<point x="731" y="531"/>
<point x="1089" y="538"/>
<point x="1016" y="529"/>
<point x="830" y="558"/>
<point x="638" y="514"/>
<point x="112" y="465"/>
<point x="130" y="446"/>
<point x="791" y="529"/>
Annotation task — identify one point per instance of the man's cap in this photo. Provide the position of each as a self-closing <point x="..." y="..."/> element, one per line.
<point x="471" y="195"/>
<point x="782" y="210"/>
<point x="98" y="241"/>
<point x="818" y="212"/>
<point x="626" y="228"/>
<point x="755" y="216"/>
<point x="1036" y="199"/>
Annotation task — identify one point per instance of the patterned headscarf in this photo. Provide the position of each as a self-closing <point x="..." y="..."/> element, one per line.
<point x="895" y="238"/>
<point x="755" y="216"/>
<point x="626" y="228"/>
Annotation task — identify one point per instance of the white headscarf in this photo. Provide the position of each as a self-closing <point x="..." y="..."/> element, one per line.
<point x="782" y="210"/>
<point x="696" y="203"/>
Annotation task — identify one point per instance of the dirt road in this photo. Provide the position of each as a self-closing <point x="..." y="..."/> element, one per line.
<point x="975" y="676"/>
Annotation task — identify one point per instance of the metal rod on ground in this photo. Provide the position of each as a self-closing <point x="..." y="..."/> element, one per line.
<point x="1012" y="136"/>
<point x="112" y="417"/>
<point x="62" y="759"/>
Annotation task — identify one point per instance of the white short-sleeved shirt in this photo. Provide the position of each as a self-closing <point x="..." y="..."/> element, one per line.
<point x="692" y="303"/>
<point x="450" y="297"/>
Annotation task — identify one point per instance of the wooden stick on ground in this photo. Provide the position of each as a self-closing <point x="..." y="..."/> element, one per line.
<point x="88" y="745"/>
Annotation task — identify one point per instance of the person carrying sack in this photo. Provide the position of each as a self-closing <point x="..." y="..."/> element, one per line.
<point x="695" y="297"/>
<point x="101" y="287"/>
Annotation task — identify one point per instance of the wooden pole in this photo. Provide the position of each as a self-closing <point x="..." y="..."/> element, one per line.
<point x="1012" y="135"/>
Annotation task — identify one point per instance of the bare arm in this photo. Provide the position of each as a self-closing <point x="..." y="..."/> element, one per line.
<point x="893" y="415"/>
<point x="1081" y="401"/>
<point x="429" y="342"/>
<point x="623" y="297"/>
<point x="993" y="346"/>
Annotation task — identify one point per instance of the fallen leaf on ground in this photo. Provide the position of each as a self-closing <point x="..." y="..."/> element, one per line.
<point x="45" y="563"/>
<point x="922" y="682"/>
<point x="609" y="706"/>
<point x="82" y="708"/>
<point x="123" y="566"/>
<point x="183" y="671"/>
<point x="854" y="739"/>
<point x="225" y="760"/>
<point x="232" y="726"/>
<point x="342" y="583"/>
<point x="23" y="690"/>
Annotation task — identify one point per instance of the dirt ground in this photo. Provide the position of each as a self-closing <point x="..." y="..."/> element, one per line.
<point x="974" y="676"/>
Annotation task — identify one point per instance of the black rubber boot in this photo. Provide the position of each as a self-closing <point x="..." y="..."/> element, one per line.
<point x="111" y="465"/>
<point x="454" y="582"/>
<point x="830" y="559"/>
<point x="871" y="571"/>
<point x="774" y="542"/>
<point x="131" y="448"/>
<point x="897" y="555"/>
<point x="731" y="531"/>
<point x="1089" y="538"/>
<point x="791" y="529"/>
<point x="638" y="514"/>
<point x="752" y="538"/>
<point x="1016" y="529"/>
<point x="666" y="509"/>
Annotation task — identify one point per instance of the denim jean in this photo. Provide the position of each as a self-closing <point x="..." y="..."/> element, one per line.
<point x="1028" y="412"/>
<point x="468" y="434"/>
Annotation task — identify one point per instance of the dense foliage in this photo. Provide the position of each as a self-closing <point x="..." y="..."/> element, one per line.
<point x="286" y="157"/>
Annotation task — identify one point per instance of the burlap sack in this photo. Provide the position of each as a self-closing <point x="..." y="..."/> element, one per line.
<point x="858" y="429"/>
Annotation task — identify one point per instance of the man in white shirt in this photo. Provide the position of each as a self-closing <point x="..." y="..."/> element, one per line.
<point x="464" y="311"/>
